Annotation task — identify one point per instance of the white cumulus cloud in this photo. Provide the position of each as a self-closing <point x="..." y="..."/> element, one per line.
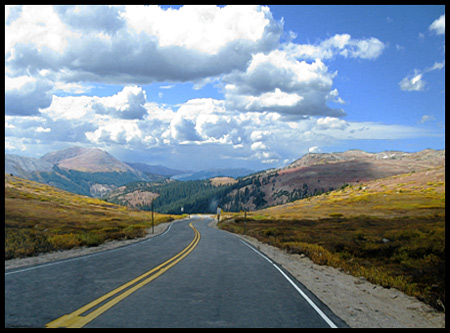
<point x="438" y="25"/>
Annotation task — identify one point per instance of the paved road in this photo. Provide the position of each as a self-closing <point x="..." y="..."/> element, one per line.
<point x="190" y="276"/>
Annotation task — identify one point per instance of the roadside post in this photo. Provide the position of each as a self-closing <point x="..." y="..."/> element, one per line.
<point x="219" y="211"/>
<point x="245" y="221"/>
<point x="153" y="221"/>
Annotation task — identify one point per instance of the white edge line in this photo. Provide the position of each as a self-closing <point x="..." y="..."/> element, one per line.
<point x="86" y="255"/>
<point x="314" y="306"/>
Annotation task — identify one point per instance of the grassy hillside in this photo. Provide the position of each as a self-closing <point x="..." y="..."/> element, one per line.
<point x="315" y="174"/>
<point x="390" y="231"/>
<point x="40" y="218"/>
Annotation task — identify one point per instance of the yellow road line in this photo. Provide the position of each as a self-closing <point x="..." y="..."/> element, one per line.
<point x="75" y="319"/>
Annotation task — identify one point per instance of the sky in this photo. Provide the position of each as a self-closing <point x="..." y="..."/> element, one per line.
<point x="198" y="87"/>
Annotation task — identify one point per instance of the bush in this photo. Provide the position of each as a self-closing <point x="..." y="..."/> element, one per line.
<point x="90" y="239"/>
<point x="20" y="243"/>
<point x="64" y="241"/>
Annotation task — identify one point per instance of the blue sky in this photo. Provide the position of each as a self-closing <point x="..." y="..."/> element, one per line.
<point x="198" y="87"/>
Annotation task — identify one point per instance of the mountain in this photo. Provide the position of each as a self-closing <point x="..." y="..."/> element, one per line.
<point x="308" y="176"/>
<point x="318" y="173"/>
<point x="87" y="160"/>
<point x="211" y="173"/>
<point x="155" y="172"/>
<point x="422" y="159"/>
<point x="24" y="166"/>
<point x="85" y="171"/>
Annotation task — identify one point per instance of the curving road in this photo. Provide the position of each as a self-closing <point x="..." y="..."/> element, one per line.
<point x="190" y="276"/>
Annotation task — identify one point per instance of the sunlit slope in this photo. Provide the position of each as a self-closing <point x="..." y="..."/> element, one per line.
<point x="390" y="231"/>
<point x="416" y="193"/>
<point x="41" y="218"/>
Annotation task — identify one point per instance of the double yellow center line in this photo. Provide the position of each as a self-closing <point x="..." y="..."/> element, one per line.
<point x="77" y="319"/>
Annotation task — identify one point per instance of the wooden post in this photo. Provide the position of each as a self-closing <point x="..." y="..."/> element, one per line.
<point x="245" y="222"/>
<point x="153" y="221"/>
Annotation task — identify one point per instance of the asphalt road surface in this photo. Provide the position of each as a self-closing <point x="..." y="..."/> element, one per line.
<point x="190" y="276"/>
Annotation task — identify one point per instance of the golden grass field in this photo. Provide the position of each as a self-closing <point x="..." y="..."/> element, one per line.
<point x="390" y="231"/>
<point x="41" y="218"/>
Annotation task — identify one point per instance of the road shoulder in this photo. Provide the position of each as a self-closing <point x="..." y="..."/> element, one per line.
<point x="358" y="302"/>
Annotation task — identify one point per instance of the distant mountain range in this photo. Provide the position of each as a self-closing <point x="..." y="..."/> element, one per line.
<point x="156" y="172"/>
<point x="308" y="176"/>
<point x="212" y="173"/>
<point x="316" y="173"/>
<point x="94" y="172"/>
<point x="85" y="171"/>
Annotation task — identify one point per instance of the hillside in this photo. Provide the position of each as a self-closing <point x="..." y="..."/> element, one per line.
<point x="87" y="160"/>
<point x="79" y="170"/>
<point x="40" y="218"/>
<point x="415" y="193"/>
<point x="309" y="176"/>
<point x="391" y="231"/>
<point x="194" y="196"/>
<point x="319" y="173"/>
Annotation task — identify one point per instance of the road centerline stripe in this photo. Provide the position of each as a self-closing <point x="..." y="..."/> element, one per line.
<point x="75" y="319"/>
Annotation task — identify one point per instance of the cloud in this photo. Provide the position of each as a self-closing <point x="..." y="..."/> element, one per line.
<point x="24" y="95"/>
<point x="438" y="25"/>
<point x="415" y="82"/>
<point x="426" y="118"/>
<point x="340" y="44"/>
<point x="117" y="131"/>
<point x="206" y="29"/>
<point x="278" y="82"/>
<point x="137" y="45"/>
<point x="331" y="123"/>
<point x="38" y="26"/>
<point x="412" y="83"/>
<point x="314" y="149"/>
<point x="126" y="104"/>
<point x="106" y="19"/>
<point x="69" y="108"/>
<point x="436" y="66"/>
<point x="279" y="99"/>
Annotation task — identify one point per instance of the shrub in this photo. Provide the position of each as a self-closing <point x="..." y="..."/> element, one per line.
<point x="65" y="241"/>
<point x="21" y="243"/>
<point x="90" y="239"/>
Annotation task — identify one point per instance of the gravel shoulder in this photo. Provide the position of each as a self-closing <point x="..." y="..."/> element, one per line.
<point x="358" y="302"/>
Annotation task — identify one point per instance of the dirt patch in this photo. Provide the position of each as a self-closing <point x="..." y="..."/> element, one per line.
<point x="219" y="181"/>
<point x="358" y="302"/>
